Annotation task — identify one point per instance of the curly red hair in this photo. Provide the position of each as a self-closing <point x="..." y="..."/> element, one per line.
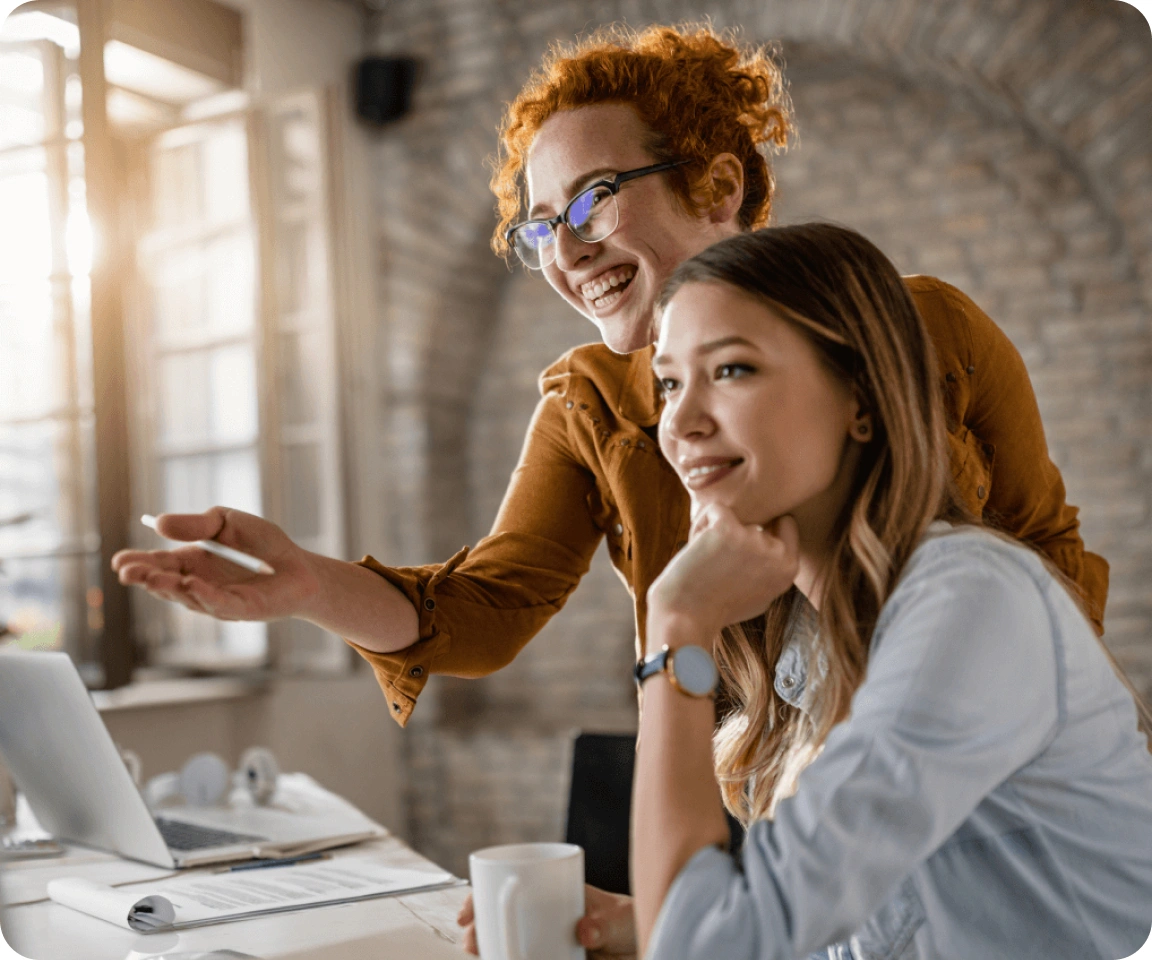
<point x="699" y="92"/>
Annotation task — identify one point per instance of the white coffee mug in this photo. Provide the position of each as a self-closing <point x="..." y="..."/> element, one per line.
<point x="528" y="898"/>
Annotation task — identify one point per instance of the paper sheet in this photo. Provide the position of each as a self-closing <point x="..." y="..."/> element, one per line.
<point x="27" y="881"/>
<point x="202" y="898"/>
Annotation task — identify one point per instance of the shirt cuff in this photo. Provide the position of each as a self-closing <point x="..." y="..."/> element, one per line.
<point x="688" y="926"/>
<point x="403" y="674"/>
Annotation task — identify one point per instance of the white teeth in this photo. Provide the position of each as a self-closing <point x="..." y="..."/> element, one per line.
<point x="595" y="290"/>
<point x="712" y="468"/>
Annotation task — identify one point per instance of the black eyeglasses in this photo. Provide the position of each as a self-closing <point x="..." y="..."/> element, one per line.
<point x="591" y="215"/>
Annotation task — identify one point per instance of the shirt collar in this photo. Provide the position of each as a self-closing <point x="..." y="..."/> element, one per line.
<point x="640" y="400"/>
<point x="797" y="673"/>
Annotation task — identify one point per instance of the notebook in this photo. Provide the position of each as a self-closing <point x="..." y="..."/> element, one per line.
<point x="194" y="900"/>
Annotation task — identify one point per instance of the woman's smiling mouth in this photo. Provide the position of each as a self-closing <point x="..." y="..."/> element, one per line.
<point x="607" y="288"/>
<point x="709" y="470"/>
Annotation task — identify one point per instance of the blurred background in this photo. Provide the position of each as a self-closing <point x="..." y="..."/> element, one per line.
<point x="220" y="284"/>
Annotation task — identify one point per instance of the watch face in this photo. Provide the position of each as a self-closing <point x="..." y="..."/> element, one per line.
<point x="694" y="670"/>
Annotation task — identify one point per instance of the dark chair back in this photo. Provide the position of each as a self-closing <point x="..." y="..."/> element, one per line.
<point x="600" y="804"/>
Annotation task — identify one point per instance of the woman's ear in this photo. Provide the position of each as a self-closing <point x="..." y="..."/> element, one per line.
<point x="724" y="189"/>
<point x="861" y="429"/>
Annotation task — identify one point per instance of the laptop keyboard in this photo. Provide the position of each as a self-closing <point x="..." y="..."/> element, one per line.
<point x="189" y="836"/>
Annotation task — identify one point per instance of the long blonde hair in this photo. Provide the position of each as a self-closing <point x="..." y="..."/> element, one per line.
<point x="848" y="300"/>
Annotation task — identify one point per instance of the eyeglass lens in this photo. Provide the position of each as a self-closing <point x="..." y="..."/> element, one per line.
<point x="591" y="216"/>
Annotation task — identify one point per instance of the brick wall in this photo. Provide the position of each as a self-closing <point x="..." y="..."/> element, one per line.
<point x="1003" y="146"/>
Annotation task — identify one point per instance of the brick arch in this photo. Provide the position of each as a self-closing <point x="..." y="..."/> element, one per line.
<point x="1079" y="74"/>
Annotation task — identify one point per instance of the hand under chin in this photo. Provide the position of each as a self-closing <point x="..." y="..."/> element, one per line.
<point x="745" y="515"/>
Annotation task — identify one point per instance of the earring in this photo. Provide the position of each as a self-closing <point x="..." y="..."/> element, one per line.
<point x="864" y="431"/>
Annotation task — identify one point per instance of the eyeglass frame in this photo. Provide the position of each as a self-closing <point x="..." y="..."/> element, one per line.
<point x="614" y="184"/>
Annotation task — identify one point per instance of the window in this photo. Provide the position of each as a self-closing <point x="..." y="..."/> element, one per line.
<point x="197" y="344"/>
<point x="50" y="581"/>
<point x="195" y="230"/>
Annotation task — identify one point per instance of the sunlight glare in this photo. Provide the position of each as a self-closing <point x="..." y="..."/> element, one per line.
<point x="26" y="240"/>
<point x="79" y="242"/>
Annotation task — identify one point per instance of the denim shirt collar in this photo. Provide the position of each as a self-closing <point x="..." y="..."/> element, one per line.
<point x="792" y="680"/>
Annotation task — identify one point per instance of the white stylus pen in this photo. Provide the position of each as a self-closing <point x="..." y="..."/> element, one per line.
<point x="254" y="564"/>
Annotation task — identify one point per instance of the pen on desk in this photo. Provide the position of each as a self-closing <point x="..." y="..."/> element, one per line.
<point x="254" y="564"/>
<point x="267" y="864"/>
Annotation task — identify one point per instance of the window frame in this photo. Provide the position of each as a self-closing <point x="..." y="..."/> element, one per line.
<point x="119" y="416"/>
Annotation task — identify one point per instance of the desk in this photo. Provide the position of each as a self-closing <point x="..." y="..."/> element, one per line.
<point x="421" y="925"/>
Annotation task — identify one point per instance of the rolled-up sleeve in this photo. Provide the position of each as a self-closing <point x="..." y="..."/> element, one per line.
<point x="478" y="610"/>
<point x="962" y="690"/>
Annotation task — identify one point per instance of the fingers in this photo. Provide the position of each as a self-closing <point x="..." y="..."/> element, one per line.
<point x="609" y="923"/>
<point x="589" y="933"/>
<point x="711" y="515"/>
<point x="467" y="913"/>
<point x="140" y="560"/>
<point x="466" y="918"/>
<point x="186" y="589"/>
<point x="191" y="526"/>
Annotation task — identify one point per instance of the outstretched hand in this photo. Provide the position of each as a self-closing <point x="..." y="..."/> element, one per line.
<point x="212" y="585"/>
<point x="607" y="930"/>
<point x="728" y="573"/>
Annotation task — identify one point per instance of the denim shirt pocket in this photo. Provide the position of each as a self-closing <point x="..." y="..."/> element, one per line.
<point x="889" y="932"/>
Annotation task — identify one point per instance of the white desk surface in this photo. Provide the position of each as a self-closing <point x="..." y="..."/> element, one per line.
<point x="421" y="925"/>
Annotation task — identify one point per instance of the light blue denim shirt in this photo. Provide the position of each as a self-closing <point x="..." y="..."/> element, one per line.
<point x="988" y="797"/>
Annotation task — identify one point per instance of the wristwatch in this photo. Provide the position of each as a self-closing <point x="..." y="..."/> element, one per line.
<point x="690" y="669"/>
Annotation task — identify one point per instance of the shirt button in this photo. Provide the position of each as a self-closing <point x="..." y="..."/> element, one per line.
<point x="569" y="404"/>
<point x="416" y="672"/>
<point x="788" y="683"/>
<point x="971" y="370"/>
<point x="618" y="529"/>
<point x="980" y="492"/>
<point x="642" y="445"/>
<point x="429" y="604"/>
<point x="950" y="377"/>
<point x="396" y="707"/>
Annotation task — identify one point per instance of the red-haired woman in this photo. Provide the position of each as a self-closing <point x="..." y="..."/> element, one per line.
<point x="628" y="153"/>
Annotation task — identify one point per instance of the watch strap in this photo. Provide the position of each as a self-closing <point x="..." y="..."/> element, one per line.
<point x="650" y="666"/>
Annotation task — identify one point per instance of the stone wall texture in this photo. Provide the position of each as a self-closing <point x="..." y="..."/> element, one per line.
<point x="1002" y="145"/>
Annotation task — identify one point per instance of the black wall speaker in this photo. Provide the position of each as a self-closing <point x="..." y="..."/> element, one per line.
<point x="384" y="88"/>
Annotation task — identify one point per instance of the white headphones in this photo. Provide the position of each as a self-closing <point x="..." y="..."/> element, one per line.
<point x="204" y="781"/>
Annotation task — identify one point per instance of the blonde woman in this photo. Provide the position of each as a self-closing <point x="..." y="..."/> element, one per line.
<point x="931" y="748"/>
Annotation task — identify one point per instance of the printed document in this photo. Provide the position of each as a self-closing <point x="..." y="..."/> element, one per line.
<point x="197" y="899"/>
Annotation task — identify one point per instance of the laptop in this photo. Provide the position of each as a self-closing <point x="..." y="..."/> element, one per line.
<point x="63" y="759"/>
